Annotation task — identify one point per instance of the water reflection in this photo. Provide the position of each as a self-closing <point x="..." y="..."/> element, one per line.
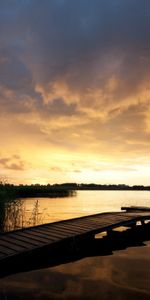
<point x="87" y="272"/>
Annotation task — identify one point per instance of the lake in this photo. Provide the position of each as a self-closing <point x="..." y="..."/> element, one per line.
<point x="122" y="274"/>
<point x="125" y="275"/>
<point x="32" y="211"/>
<point x="86" y="203"/>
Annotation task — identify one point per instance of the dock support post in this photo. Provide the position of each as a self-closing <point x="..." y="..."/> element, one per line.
<point x="133" y="225"/>
<point x="109" y="232"/>
<point x="142" y="222"/>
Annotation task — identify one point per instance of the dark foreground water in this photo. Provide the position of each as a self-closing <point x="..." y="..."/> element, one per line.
<point x="123" y="275"/>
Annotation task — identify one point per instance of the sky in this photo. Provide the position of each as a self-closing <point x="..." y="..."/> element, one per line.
<point x="75" y="91"/>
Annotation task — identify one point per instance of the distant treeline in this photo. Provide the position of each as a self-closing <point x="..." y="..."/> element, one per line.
<point x="59" y="190"/>
<point x="93" y="186"/>
<point x="10" y="191"/>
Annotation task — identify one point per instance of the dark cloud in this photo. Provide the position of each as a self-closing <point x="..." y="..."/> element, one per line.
<point x="14" y="73"/>
<point x="81" y="42"/>
<point x="56" y="107"/>
<point x="12" y="163"/>
<point x="76" y="41"/>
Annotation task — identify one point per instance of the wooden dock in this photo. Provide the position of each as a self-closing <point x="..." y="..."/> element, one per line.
<point x="21" y="243"/>
<point x="135" y="208"/>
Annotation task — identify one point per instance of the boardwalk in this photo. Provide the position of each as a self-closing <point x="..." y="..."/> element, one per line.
<point x="22" y="242"/>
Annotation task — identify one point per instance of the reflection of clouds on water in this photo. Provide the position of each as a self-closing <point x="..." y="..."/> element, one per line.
<point x="118" y="277"/>
<point x="135" y="266"/>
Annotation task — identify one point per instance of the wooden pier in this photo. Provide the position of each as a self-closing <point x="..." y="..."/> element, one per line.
<point x="135" y="208"/>
<point x="20" y="243"/>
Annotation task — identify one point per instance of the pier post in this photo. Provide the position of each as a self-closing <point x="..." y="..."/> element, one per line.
<point x="142" y="222"/>
<point x="133" y="225"/>
<point x="109" y="232"/>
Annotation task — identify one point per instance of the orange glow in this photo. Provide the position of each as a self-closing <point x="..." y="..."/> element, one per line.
<point x="75" y="96"/>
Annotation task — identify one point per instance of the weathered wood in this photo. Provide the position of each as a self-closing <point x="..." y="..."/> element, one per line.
<point x="39" y="235"/>
<point x="70" y="228"/>
<point x="37" y="239"/>
<point x="13" y="246"/>
<point x="11" y="240"/>
<point x="27" y="240"/>
<point x="44" y="233"/>
<point x="61" y="231"/>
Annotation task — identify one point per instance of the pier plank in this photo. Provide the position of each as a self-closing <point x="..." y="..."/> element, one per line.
<point x="12" y="246"/>
<point x="58" y="231"/>
<point x="20" y="241"/>
<point x="32" y="237"/>
<point x="38" y="235"/>
<point x="25" y="239"/>
<point x="17" y="242"/>
<point x="68" y="228"/>
<point x="52" y="233"/>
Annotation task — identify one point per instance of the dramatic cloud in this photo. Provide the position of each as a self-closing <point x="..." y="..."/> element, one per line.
<point x="74" y="83"/>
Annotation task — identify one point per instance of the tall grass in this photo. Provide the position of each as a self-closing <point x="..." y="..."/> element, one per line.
<point x="12" y="209"/>
<point x="16" y="216"/>
<point x="6" y="198"/>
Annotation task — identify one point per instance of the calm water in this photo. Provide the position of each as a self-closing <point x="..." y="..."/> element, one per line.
<point x="32" y="211"/>
<point x="85" y="203"/>
<point x="123" y="275"/>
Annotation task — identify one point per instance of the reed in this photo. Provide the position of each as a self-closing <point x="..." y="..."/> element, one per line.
<point x="16" y="216"/>
<point x="12" y="209"/>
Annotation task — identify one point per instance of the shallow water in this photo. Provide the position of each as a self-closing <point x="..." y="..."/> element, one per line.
<point x="84" y="203"/>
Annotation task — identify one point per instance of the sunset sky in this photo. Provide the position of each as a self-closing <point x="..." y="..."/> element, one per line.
<point x="75" y="91"/>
